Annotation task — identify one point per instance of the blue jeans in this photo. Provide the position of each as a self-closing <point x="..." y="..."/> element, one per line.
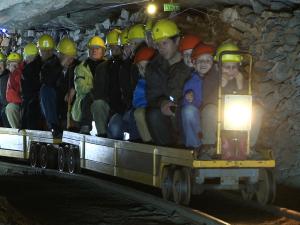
<point x="48" y="106"/>
<point x="120" y="123"/>
<point x="190" y="116"/>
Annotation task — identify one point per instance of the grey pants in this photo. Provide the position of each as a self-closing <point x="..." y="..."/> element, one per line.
<point x="13" y="114"/>
<point x="209" y="123"/>
<point x="100" y="111"/>
<point x="140" y="119"/>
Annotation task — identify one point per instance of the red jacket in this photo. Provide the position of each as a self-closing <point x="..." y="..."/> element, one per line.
<point x="13" y="90"/>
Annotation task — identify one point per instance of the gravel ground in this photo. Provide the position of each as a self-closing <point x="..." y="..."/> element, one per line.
<point x="53" y="201"/>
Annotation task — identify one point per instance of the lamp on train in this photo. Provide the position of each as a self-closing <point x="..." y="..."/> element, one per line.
<point x="237" y="112"/>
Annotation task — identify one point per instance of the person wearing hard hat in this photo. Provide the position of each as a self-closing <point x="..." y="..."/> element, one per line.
<point x="57" y="79"/>
<point x="165" y="78"/>
<point x="202" y="60"/>
<point x="141" y="59"/>
<point x="123" y="119"/>
<point x="46" y="47"/>
<point x="233" y="82"/>
<point x="186" y="45"/>
<point x="30" y="86"/>
<point x="106" y="91"/>
<point x="84" y="76"/>
<point x="13" y="91"/>
<point x="4" y="74"/>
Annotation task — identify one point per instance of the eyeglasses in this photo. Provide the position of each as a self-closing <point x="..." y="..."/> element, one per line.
<point x="204" y="61"/>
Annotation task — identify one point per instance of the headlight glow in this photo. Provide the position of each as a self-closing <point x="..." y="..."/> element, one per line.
<point x="237" y="112"/>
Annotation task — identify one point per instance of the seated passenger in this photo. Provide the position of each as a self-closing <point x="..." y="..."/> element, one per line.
<point x="13" y="91"/>
<point x="192" y="92"/>
<point x="56" y="75"/>
<point x="30" y="85"/>
<point x="106" y="91"/>
<point x="141" y="59"/>
<point x="186" y="45"/>
<point x="165" y="78"/>
<point x="4" y="74"/>
<point x="234" y="82"/>
<point x="124" y="122"/>
<point x="84" y="78"/>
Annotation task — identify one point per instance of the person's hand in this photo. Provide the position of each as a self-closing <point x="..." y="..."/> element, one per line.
<point x="166" y="108"/>
<point x="189" y="96"/>
<point x="70" y="95"/>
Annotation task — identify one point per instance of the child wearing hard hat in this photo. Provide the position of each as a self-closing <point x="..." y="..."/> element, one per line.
<point x="13" y="91"/>
<point x="202" y="61"/>
<point x="141" y="59"/>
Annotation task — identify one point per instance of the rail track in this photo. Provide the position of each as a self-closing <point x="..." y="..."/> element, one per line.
<point x="192" y="215"/>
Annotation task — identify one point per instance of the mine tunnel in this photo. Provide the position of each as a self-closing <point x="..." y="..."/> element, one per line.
<point x="267" y="30"/>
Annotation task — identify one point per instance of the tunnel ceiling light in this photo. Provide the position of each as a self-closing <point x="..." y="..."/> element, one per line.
<point x="151" y="8"/>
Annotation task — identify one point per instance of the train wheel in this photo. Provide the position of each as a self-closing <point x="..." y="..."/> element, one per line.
<point x="166" y="183"/>
<point x="248" y="192"/>
<point x="182" y="186"/>
<point x="73" y="160"/>
<point x="43" y="156"/>
<point x="33" y="154"/>
<point x="266" y="187"/>
<point x="61" y="159"/>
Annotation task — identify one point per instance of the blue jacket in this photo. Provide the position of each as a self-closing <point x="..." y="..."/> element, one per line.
<point x="195" y="84"/>
<point x="139" y="94"/>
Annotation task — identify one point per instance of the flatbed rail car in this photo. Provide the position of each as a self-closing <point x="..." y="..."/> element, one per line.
<point x="174" y="171"/>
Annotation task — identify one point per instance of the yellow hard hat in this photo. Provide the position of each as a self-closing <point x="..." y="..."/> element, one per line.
<point x="2" y="57"/>
<point x="149" y="25"/>
<point x="112" y="38"/>
<point x="14" y="57"/>
<point x="30" y="49"/>
<point x="67" y="47"/>
<point x="164" y="29"/>
<point x="136" y="32"/>
<point x="124" y="37"/>
<point x="96" y="41"/>
<point x="46" y="42"/>
<point x="228" y="57"/>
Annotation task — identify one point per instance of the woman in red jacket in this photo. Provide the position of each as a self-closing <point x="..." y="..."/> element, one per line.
<point x="13" y="91"/>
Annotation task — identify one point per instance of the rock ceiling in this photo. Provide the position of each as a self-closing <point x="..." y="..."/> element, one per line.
<point x="24" y="14"/>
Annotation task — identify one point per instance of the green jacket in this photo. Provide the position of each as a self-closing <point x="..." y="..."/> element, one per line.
<point x="83" y="81"/>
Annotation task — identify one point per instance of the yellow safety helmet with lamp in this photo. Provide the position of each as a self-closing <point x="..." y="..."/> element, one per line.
<point x="67" y="47"/>
<point x="46" y="42"/>
<point x="30" y="50"/>
<point x="164" y="29"/>
<point x="228" y="57"/>
<point x="124" y="37"/>
<point x="96" y="41"/>
<point x="2" y="57"/>
<point x="113" y="37"/>
<point x="14" y="57"/>
<point x="136" y="32"/>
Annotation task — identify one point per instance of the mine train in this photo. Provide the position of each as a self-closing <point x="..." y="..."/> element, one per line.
<point x="177" y="172"/>
<point x="174" y="171"/>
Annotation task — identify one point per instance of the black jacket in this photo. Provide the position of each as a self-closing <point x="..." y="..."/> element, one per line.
<point x="51" y="71"/>
<point x="3" y="84"/>
<point x="164" y="81"/>
<point x="30" y="81"/>
<point x="106" y="84"/>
